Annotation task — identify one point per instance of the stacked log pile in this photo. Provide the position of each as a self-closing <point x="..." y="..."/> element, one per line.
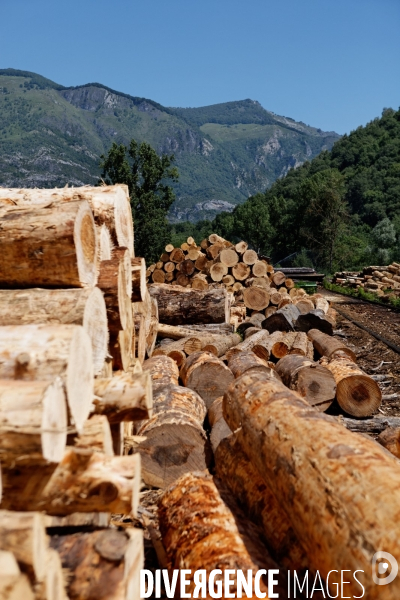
<point x="383" y="281"/>
<point x="70" y="387"/>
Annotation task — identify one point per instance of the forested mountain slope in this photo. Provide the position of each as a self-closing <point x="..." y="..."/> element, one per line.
<point x="51" y="135"/>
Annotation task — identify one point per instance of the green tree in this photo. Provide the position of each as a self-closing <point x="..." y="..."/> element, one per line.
<point x="146" y="174"/>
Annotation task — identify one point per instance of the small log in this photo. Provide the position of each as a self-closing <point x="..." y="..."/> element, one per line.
<point x="322" y="304"/>
<point x="329" y="346"/>
<point x="14" y="585"/>
<point x="259" y="268"/>
<point x="250" y="257"/>
<point x="187" y="267"/>
<point x="251" y="331"/>
<point x="390" y="439"/>
<point x="258" y="340"/>
<point x="163" y="371"/>
<point x="374" y="425"/>
<point x="204" y="373"/>
<point x="236" y="471"/>
<point x="241" y="271"/>
<point x="219" y="428"/>
<point x="244" y="362"/>
<point x="228" y="257"/>
<point x="284" y="319"/>
<point x="214" y="239"/>
<point x="276" y="298"/>
<point x="270" y="311"/>
<point x="218" y="271"/>
<point x="357" y="393"/>
<point x="177" y="255"/>
<point x="312" y="381"/>
<point x="169" y="248"/>
<point x="79" y="520"/>
<point x="315" y="319"/>
<point x="178" y="306"/>
<point x="25" y="352"/>
<point x="356" y="468"/>
<point x="228" y="280"/>
<point x="289" y="283"/>
<point x="300" y="344"/>
<point x="220" y="344"/>
<point x="125" y="397"/>
<point x="84" y="307"/>
<point x="256" y="298"/>
<point x="82" y="482"/>
<point x="113" y="282"/>
<point x="102" y="564"/>
<point x="175" y="440"/>
<point x="279" y="278"/>
<point x="176" y="350"/>
<point x="24" y="535"/>
<point x="187" y="540"/>
<point x="52" y="246"/>
<point x="305" y="305"/>
<point x="158" y="276"/>
<point x="241" y="247"/>
<point x="95" y="436"/>
<point x="213" y="250"/>
<point x="33" y="422"/>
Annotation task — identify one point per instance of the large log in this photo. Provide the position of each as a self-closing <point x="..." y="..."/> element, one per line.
<point x="124" y="397"/>
<point x="82" y="482"/>
<point x="256" y="298"/>
<point x="24" y="535"/>
<point x="53" y="245"/>
<point x="14" y="585"/>
<point x="42" y="352"/>
<point x="113" y="282"/>
<point x="340" y="490"/>
<point x="204" y="373"/>
<point x="312" y="381"/>
<point x="247" y="361"/>
<point x="84" y="307"/>
<point x="257" y="340"/>
<point x="328" y="346"/>
<point x="102" y="565"/>
<point x="211" y="540"/>
<point x="179" y="306"/>
<point x="163" y="371"/>
<point x="177" y="350"/>
<point x="175" y="440"/>
<point x="315" y="319"/>
<point x="237" y="472"/>
<point x="357" y="393"/>
<point x="284" y="319"/>
<point x="33" y="422"/>
<point x="110" y="205"/>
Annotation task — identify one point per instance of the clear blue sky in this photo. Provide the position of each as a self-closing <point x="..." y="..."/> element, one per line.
<point x="333" y="64"/>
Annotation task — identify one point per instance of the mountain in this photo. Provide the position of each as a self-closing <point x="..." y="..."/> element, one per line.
<point x="51" y="135"/>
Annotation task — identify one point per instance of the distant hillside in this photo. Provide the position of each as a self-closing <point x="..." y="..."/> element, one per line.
<point x="51" y="135"/>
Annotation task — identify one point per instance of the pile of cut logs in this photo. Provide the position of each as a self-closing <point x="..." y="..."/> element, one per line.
<point x="384" y="281"/>
<point x="70" y="389"/>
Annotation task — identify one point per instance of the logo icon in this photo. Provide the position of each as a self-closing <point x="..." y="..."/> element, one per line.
<point x="384" y="568"/>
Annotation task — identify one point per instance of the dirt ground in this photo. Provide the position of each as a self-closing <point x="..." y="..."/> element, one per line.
<point x="372" y="355"/>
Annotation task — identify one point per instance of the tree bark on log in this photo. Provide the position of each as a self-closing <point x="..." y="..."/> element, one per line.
<point x="328" y="346"/>
<point x="284" y="319"/>
<point x="33" y="422"/>
<point x="24" y="534"/>
<point x="220" y="344"/>
<point x="374" y="425"/>
<point x="315" y="319"/>
<point x="179" y="306"/>
<point x="331" y="486"/>
<point x="258" y="339"/>
<point x="82" y="482"/>
<point x="110" y="205"/>
<point x="48" y="246"/>
<point x="178" y="332"/>
<point x="42" y="352"/>
<point x="125" y="397"/>
<point x="251" y="331"/>
<point x="312" y="381"/>
<point x="84" y="307"/>
<point x="247" y="361"/>
<point x="163" y="371"/>
<point x="357" y="393"/>
<point x="187" y="541"/>
<point x="102" y="565"/>
<point x="390" y="439"/>
<point x="236" y="471"/>
<point x="207" y="375"/>
<point x="175" y="440"/>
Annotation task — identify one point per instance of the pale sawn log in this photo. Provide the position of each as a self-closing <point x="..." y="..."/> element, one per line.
<point x="138" y="268"/>
<point x="33" y="422"/>
<point x="113" y="281"/>
<point x="14" y="585"/>
<point x="43" y="352"/>
<point x="48" y="246"/>
<point x="124" y="397"/>
<point x="95" y="436"/>
<point x="84" y="307"/>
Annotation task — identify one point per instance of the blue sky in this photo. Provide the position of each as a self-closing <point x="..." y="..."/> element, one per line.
<point x="333" y="64"/>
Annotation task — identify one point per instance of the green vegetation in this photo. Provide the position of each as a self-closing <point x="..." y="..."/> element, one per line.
<point x="360" y="293"/>
<point x="51" y="135"/>
<point x="145" y="173"/>
<point x="342" y="208"/>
